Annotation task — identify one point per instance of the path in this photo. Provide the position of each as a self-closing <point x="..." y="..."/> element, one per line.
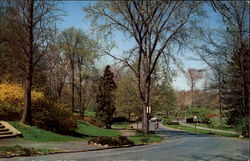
<point x="68" y="146"/>
<point x="179" y="145"/>
<point x="209" y="129"/>
<point x="124" y="131"/>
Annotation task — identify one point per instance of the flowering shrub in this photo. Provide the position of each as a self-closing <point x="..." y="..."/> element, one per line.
<point x="45" y="114"/>
<point x="54" y="117"/>
<point x="12" y="95"/>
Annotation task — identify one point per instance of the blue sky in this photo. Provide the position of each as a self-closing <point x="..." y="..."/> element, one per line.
<point x="75" y="17"/>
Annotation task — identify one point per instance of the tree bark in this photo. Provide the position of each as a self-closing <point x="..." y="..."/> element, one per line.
<point x="27" y="117"/>
<point x="73" y="89"/>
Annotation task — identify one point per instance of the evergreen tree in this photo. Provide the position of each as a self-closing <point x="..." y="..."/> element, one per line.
<point x="106" y="97"/>
<point x="236" y="94"/>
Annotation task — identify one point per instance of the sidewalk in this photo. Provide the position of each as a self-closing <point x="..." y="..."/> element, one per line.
<point x="124" y="132"/>
<point x="68" y="146"/>
<point x="204" y="128"/>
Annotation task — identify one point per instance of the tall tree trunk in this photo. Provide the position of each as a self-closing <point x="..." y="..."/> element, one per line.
<point x="27" y="117"/>
<point x="220" y="103"/>
<point x="145" y="119"/>
<point x="73" y="89"/>
<point x="80" y="100"/>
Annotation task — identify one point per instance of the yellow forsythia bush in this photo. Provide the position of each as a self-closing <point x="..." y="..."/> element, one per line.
<point x="12" y="95"/>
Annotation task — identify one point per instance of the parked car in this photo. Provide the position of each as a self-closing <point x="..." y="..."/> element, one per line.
<point x="155" y="119"/>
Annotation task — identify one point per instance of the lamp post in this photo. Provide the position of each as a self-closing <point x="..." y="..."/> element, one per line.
<point x="195" y="121"/>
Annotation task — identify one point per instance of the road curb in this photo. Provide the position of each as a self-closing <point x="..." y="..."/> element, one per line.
<point x="78" y="151"/>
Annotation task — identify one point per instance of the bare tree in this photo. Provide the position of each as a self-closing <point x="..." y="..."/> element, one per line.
<point x="154" y="26"/>
<point x="85" y="62"/>
<point x="193" y="76"/>
<point x="227" y="52"/>
<point x="30" y="28"/>
<point x="70" y="41"/>
<point x="58" y="71"/>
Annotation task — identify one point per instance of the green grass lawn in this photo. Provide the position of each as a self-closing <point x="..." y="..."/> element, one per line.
<point x="190" y="129"/>
<point x="32" y="133"/>
<point x="125" y="125"/>
<point x="219" y="127"/>
<point x="140" y="138"/>
<point x="91" y="130"/>
<point x="89" y="113"/>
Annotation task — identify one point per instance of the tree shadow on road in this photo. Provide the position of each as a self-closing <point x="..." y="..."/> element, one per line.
<point x="205" y="157"/>
<point x="178" y="134"/>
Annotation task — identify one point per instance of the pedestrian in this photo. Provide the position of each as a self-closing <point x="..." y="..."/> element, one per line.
<point x="156" y="125"/>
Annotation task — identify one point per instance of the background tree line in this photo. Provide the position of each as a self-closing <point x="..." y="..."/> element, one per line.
<point x="63" y="65"/>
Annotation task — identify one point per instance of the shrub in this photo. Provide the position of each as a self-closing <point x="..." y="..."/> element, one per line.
<point x="204" y="115"/>
<point x="112" y="141"/>
<point x="12" y="95"/>
<point x="9" y="113"/>
<point x="168" y="121"/>
<point x="120" y="119"/>
<point x="45" y="114"/>
<point x="243" y="126"/>
<point x="54" y="117"/>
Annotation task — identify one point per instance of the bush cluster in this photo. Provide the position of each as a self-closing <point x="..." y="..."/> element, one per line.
<point x="9" y="113"/>
<point x="45" y="114"/>
<point x="112" y="141"/>
<point x="54" y="117"/>
<point x="204" y="115"/>
<point x="12" y="95"/>
<point x="120" y="119"/>
<point x="167" y="120"/>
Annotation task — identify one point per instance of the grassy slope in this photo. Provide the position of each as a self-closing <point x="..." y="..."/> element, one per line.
<point x="215" y="127"/>
<point x="140" y="139"/>
<point x="91" y="130"/>
<point x="89" y="113"/>
<point x="33" y="133"/>
<point x="190" y="129"/>
<point x="122" y="125"/>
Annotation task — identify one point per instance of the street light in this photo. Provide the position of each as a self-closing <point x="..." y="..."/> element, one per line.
<point x="195" y="121"/>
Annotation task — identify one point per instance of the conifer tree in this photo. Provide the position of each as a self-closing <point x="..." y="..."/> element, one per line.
<point x="106" y="97"/>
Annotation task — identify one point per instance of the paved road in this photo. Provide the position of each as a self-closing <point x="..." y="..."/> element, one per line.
<point x="179" y="146"/>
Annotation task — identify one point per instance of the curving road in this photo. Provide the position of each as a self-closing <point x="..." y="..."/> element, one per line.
<point x="178" y="146"/>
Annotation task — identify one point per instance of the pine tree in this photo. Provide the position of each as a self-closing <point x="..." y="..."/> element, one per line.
<point x="106" y="97"/>
<point x="236" y="94"/>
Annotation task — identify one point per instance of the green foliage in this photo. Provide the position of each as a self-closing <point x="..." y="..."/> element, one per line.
<point x="105" y="97"/>
<point x="89" y="114"/>
<point x="164" y="98"/>
<point x="91" y="130"/>
<point x="127" y="99"/>
<point x="46" y="115"/>
<point x="235" y="93"/>
<point x="32" y="133"/>
<point x="200" y="112"/>
<point x="54" y="117"/>
<point x="167" y="120"/>
<point x="124" y="125"/>
<point x="9" y="113"/>
<point x="112" y="141"/>
<point x="243" y="126"/>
